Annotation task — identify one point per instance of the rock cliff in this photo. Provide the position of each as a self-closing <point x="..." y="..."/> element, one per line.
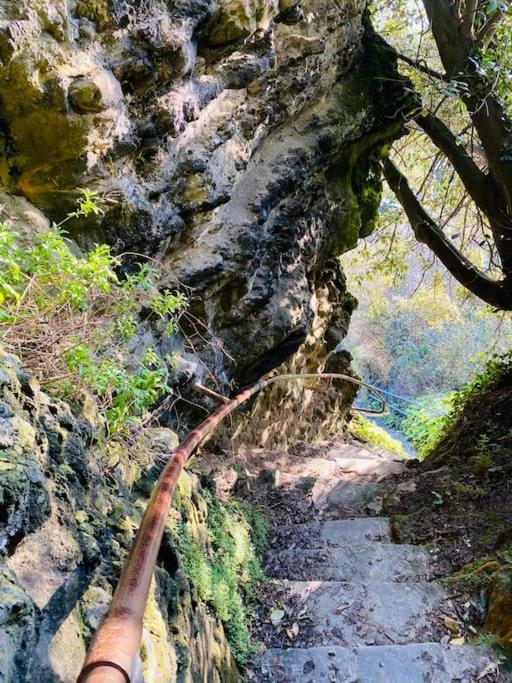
<point x="67" y="520"/>
<point x="237" y="145"/>
<point x="237" y="142"/>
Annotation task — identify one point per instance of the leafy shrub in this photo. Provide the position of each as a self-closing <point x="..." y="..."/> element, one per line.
<point x="427" y="432"/>
<point x="422" y="427"/>
<point x="496" y="367"/>
<point x="70" y="318"/>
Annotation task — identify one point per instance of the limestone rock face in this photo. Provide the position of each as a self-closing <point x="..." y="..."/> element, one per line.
<point x="238" y="141"/>
<point x="66" y="523"/>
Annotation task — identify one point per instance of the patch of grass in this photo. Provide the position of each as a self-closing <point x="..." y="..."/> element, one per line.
<point x="374" y="435"/>
<point x="225" y="574"/>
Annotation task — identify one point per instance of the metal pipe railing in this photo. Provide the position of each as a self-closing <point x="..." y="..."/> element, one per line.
<point x="113" y="653"/>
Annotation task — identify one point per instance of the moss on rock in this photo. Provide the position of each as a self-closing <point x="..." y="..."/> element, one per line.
<point x="60" y="511"/>
<point x="499" y="614"/>
<point x="220" y="559"/>
<point x="18" y="620"/>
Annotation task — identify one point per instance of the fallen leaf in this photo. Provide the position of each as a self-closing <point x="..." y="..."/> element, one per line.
<point x="340" y="608"/>
<point x="457" y="641"/>
<point x="276" y="617"/>
<point x="451" y="625"/>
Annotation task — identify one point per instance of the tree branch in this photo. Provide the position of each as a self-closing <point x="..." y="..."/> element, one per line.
<point x="468" y="19"/>
<point x="460" y="59"/>
<point x="446" y="29"/>
<point x="497" y="293"/>
<point x="423" y="67"/>
<point x="484" y="192"/>
<point x="488" y="29"/>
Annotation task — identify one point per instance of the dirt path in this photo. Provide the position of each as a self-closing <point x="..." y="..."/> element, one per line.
<point x="345" y="603"/>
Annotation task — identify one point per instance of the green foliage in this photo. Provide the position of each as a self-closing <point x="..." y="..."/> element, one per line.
<point x="496" y="60"/>
<point x="226" y="575"/>
<point x="129" y="393"/>
<point x="409" y="340"/>
<point x="374" y="435"/>
<point x="70" y="318"/>
<point x="423" y="428"/>
<point x="496" y="367"/>
<point x="439" y="188"/>
<point x="88" y="204"/>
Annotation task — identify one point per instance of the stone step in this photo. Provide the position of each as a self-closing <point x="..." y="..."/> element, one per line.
<point x="355" y="614"/>
<point x="334" y="498"/>
<point x="366" y="467"/>
<point x="353" y="450"/>
<point x="416" y="663"/>
<point x="342" y="468"/>
<point x="335" y="533"/>
<point x="306" y="467"/>
<point x="362" y="562"/>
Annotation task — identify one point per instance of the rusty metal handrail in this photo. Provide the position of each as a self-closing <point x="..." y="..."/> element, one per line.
<point x="113" y="652"/>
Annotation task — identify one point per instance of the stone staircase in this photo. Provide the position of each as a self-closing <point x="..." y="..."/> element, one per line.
<point x="346" y="604"/>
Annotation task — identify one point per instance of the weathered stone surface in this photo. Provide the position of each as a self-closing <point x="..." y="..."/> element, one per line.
<point x="361" y="452"/>
<point x="94" y="93"/>
<point x="369" y="561"/>
<point x="396" y="664"/>
<point x="335" y="533"/>
<point x="354" y="614"/>
<point x="65" y="528"/>
<point x="239" y="141"/>
<point x="335" y="664"/>
<point x="18" y="624"/>
<point x="338" y="498"/>
<point x="372" y="469"/>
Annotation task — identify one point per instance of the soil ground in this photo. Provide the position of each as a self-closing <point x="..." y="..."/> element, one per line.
<point x="455" y="519"/>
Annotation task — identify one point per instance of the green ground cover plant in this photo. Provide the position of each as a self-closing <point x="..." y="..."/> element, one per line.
<point x="72" y="319"/>
<point x="226" y="577"/>
<point x="374" y="435"/>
